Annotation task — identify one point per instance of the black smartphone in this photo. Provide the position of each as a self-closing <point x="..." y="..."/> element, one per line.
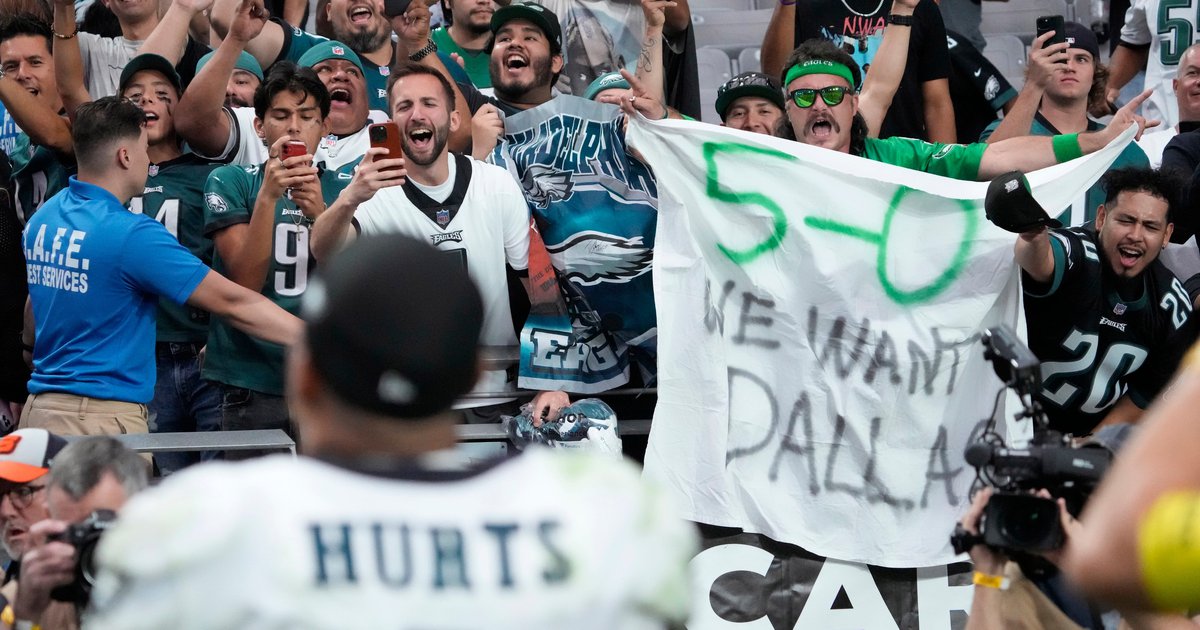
<point x="1055" y="23"/>
<point x="392" y="8"/>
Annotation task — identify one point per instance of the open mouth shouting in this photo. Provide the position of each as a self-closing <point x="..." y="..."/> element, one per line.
<point x="1129" y="255"/>
<point x="419" y="138"/>
<point x="340" y="97"/>
<point x="821" y="127"/>
<point x="515" y="62"/>
<point x="361" y="15"/>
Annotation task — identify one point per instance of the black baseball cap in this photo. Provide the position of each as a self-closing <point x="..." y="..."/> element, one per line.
<point x="393" y="327"/>
<point x="150" y="61"/>
<point x="539" y="15"/>
<point x="1082" y="37"/>
<point x="748" y="84"/>
<point x="1010" y="205"/>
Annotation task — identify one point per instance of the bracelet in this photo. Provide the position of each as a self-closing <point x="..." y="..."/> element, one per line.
<point x="1066" y="147"/>
<point x="429" y="49"/>
<point x="901" y="20"/>
<point x="991" y="581"/>
<point x="61" y="36"/>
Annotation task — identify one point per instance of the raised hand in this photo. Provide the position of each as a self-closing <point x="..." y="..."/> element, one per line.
<point x="1044" y="63"/>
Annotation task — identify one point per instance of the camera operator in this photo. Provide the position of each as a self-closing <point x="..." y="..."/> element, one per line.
<point x="88" y="475"/>
<point x="1027" y="590"/>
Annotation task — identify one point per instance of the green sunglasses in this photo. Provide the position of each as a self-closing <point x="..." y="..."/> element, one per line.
<point x="832" y="95"/>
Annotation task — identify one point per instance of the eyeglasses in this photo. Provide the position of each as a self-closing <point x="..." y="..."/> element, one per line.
<point x="805" y="97"/>
<point x="745" y="79"/>
<point x="21" y="496"/>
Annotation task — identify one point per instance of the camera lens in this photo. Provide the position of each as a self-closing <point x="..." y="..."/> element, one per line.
<point x="1030" y="525"/>
<point x="378" y="134"/>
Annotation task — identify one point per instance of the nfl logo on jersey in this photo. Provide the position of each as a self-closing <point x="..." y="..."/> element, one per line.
<point x="443" y="217"/>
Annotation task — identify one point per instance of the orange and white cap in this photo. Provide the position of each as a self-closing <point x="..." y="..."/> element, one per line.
<point x="26" y="454"/>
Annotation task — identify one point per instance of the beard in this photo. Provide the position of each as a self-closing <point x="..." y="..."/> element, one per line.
<point x="515" y="91"/>
<point x="441" y="136"/>
<point x="362" y="40"/>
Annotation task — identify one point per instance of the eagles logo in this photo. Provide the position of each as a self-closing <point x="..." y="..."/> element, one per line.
<point x="589" y="258"/>
<point x="215" y="203"/>
<point x="544" y="185"/>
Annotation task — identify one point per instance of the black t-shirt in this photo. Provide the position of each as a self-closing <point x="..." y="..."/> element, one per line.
<point x="1096" y="344"/>
<point x="977" y="88"/>
<point x="858" y="26"/>
<point x="1182" y="155"/>
<point x="186" y="67"/>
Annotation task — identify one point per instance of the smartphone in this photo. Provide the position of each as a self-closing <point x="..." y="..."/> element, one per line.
<point x="1055" y="23"/>
<point x="386" y="135"/>
<point x="393" y="8"/>
<point x="292" y="149"/>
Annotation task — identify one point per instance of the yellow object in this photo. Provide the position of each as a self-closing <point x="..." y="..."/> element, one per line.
<point x="990" y="581"/>
<point x="8" y="616"/>
<point x="1169" y="549"/>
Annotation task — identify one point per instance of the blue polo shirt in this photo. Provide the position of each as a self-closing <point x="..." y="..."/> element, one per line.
<point x="96" y="271"/>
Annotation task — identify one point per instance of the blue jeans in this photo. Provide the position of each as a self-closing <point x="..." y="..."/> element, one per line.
<point x="182" y="402"/>
<point x="245" y="409"/>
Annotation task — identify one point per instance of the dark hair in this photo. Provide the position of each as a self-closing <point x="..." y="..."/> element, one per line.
<point x="100" y="20"/>
<point x="1097" y="99"/>
<point x="26" y="24"/>
<point x="100" y="123"/>
<point x="286" y="76"/>
<point x="409" y="69"/>
<point x="823" y="49"/>
<point x="1163" y="184"/>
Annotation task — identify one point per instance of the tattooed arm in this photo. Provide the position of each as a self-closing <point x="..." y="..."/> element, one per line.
<point x="650" y="70"/>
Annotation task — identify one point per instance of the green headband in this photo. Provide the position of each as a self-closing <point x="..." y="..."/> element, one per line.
<point x="819" y="66"/>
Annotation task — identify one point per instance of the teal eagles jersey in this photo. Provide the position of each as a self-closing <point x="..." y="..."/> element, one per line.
<point x="596" y="208"/>
<point x="38" y="173"/>
<point x="174" y="196"/>
<point x="235" y="358"/>
<point x="1083" y="210"/>
<point x="1095" y="345"/>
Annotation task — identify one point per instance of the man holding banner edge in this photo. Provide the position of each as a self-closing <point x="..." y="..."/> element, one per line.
<point x="823" y="109"/>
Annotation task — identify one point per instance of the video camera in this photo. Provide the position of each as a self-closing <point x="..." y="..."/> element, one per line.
<point x="1015" y="520"/>
<point x="83" y="536"/>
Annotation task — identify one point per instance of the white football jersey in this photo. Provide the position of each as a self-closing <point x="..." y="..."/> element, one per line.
<point x="490" y="228"/>
<point x="1168" y="30"/>
<point x="548" y="539"/>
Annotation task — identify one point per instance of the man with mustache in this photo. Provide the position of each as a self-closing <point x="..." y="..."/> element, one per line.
<point x="471" y="211"/>
<point x="247" y="76"/>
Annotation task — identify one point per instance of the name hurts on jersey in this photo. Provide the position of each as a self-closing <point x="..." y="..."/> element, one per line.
<point x="403" y="555"/>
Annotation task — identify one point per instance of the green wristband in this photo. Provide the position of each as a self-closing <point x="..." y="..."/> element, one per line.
<point x="1066" y="147"/>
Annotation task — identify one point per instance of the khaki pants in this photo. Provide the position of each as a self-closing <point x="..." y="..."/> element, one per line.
<point x="68" y="414"/>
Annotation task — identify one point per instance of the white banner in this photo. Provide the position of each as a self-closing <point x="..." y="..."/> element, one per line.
<point x="820" y="369"/>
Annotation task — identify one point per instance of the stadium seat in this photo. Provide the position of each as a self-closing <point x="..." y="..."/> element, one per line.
<point x="730" y="30"/>
<point x="749" y="60"/>
<point x="1019" y="17"/>
<point x="713" y="68"/>
<point x="1008" y="54"/>
<point x="705" y="6"/>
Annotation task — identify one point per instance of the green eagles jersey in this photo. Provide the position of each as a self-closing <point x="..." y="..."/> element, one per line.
<point x="235" y="358"/>
<point x="959" y="161"/>
<point x="37" y="175"/>
<point x="174" y="196"/>
<point x="476" y="60"/>
<point x="1083" y="210"/>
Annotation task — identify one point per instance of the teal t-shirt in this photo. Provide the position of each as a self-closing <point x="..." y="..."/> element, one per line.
<point x="235" y="358"/>
<point x="174" y="196"/>
<point x="476" y="61"/>
<point x="1083" y="211"/>
<point x="959" y="161"/>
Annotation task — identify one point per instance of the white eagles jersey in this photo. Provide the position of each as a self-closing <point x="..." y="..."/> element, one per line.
<point x="547" y="539"/>
<point x="489" y="227"/>
<point x="1168" y="30"/>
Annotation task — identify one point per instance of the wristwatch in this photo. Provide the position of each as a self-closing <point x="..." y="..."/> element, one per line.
<point x="429" y="49"/>
<point x="901" y="20"/>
